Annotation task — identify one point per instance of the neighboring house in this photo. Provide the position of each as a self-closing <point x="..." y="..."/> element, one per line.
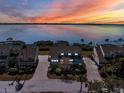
<point x="17" y="55"/>
<point x="103" y="53"/>
<point x="60" y="42"/>
<point x="65" y="56"/>
<point x="28" y="57"/>
<point x="4" y="54"/>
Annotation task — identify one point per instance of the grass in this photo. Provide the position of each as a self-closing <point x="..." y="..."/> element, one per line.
<point x="6" y="77"/>
<point x="87" y="53"/>
<point x="43" y="52"/>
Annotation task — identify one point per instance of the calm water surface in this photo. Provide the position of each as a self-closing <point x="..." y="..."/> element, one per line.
<point x="71" y="33"/>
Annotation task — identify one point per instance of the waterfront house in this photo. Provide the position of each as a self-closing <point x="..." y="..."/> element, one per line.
<point x="28" y="57"/>
<point x="17" y="55"/>
<point x="65" y="56"/>
<point x="102" y="54"/>
<point x="4" y="54"/>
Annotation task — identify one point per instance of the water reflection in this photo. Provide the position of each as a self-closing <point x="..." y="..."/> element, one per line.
<point x="72" y="33"/>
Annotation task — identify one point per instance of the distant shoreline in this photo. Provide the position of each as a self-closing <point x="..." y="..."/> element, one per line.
<point x="55" y="24"/>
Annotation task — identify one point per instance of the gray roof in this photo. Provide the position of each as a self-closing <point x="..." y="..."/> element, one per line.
<point x="107" y="50"/>
<point x="4" y="49"/>
<point x="56" y="50"/>
<point x="28" y="54"/>
<point x="110" y="49"/>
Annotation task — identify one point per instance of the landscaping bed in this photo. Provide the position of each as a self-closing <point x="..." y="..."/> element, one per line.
<point x="6" y="77"/>
<point x="76" y="72"/>
<point x="68" y="77"/>
<point x="113" y="73"/>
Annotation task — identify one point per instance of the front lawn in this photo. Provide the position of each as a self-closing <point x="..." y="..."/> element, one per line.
<point x="87" y="53"/>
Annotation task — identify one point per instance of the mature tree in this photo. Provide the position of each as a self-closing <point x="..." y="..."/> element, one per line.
<point x="9" y="39"/>
<point x="96" y="87"/>
<point x="107" y="40"/>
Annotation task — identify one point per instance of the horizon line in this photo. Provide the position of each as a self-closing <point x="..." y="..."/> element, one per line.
<point x="56" y="24"/>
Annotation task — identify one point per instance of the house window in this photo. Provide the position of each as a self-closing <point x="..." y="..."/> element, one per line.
<point x="62" y="54"/>
<point x="55" y="60"/>
<point x="76" y="54"/>
<point x="69" y="54"/>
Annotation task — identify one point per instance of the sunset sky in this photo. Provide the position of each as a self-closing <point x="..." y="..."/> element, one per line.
<point x="62" y="11"/>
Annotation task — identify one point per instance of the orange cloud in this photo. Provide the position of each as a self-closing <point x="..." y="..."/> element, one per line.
<point x="73" y="11"/>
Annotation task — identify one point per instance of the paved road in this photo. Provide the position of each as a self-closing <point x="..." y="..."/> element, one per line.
<point x="92" y="70"/>
<point x="52" y="85"/>
<point x="40" y="82"/>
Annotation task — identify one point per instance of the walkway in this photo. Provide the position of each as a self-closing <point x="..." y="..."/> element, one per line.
<point x="92" y="70"/>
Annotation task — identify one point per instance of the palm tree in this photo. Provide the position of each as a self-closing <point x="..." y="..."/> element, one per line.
<point x="81" y="78"/>
<point x="107" y="40"/>
<point x="82" y="40"/>
<point x="81" y="81"/>
<point x="114" y="41"/>
<point x="90" y="43"/>
<point x="120" y="40"/>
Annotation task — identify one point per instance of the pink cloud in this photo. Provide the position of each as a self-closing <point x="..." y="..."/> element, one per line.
<point x="69" y="10"/>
